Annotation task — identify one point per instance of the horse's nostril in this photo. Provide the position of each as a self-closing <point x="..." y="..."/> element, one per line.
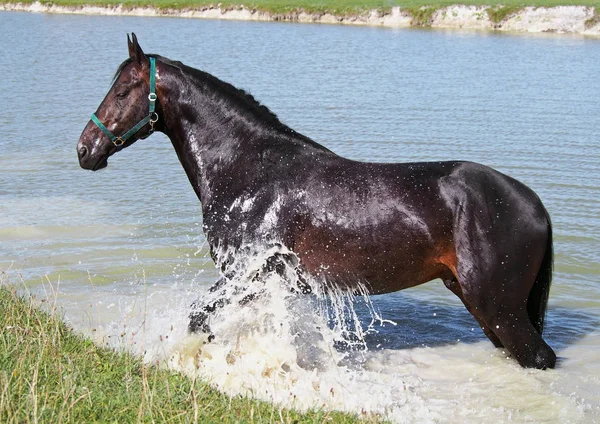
<point x="83" y="151"/>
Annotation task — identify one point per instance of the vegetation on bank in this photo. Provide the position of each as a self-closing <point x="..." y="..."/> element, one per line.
<point x="336" y="7"/>
<point x="594" y="20"/>
<point x="49" y="374"/>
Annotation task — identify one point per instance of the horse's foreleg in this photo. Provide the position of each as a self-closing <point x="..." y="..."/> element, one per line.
<point x="201" y="312"/>
<point x="278" y="263"/>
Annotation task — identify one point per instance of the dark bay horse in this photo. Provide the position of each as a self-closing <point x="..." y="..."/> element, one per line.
<point x="390" y="226"/>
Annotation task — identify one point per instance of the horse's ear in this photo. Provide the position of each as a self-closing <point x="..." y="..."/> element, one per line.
<point x="135" y="51"/>
<point x="129" y="46"/>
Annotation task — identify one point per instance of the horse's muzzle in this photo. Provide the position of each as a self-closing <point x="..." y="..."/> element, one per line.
<point x="90" y="155"/>
<point x="86" y="161"/>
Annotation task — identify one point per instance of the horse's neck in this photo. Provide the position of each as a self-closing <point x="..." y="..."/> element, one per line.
<point x="217" y="138"/>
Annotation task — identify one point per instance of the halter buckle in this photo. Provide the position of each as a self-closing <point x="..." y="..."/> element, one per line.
<point x="118" y="142"/>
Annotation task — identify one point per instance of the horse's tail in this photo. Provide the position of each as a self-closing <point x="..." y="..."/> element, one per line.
<point x="538" y="296"/>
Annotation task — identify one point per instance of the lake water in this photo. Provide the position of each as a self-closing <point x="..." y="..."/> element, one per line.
<point x="122" y="251"/>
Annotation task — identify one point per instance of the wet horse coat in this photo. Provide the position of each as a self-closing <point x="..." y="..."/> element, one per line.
<point x="389" y="226"/>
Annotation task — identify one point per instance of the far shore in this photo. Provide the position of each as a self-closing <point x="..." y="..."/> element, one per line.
<point x="558" y="19"/>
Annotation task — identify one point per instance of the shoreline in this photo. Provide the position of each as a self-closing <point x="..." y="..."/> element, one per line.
<point x="559" y="19"/>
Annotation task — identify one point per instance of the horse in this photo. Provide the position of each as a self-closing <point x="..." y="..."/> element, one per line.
<point x="487" y="236"/>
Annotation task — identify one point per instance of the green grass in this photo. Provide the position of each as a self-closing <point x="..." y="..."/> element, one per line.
<point x="499" y="13"/>
<point x="593" y="21"/>
<point x="422" y="15"/>
<point x="48" y="374"/>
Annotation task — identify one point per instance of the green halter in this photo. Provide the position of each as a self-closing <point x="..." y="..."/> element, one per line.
<point x="151" y="118"/>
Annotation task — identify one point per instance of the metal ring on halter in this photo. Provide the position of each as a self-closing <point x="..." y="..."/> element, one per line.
<point x="152" y="97"/>
<point x="118" y="141"/>
<point x="153" y="120"/>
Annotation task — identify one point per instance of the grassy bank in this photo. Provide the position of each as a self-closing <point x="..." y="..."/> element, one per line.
<point x="336" y="7"/>
<point x="49" y="374"/>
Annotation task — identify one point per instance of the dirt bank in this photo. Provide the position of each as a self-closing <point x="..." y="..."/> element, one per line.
<point x="560" y="19"/>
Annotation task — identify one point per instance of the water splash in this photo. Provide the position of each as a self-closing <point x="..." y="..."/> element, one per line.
<point x="274" y="342"/>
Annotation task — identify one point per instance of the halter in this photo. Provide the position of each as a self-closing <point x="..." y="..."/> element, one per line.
<point x="151" y="118"/>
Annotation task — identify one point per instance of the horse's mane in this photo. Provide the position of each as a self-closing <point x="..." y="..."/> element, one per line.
<point x="239" y="94"/>
<point x="242" y="96"/>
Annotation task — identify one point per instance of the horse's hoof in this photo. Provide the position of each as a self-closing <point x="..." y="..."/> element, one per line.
<point x="543" y="359"/>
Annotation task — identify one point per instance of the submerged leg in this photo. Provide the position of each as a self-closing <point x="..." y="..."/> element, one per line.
<point x="505" y="314"/>
<point x="522" y="340"/>
<point x="277" y="263"/>
<point x="453" y="285"/>
<point x="200" y="313"/>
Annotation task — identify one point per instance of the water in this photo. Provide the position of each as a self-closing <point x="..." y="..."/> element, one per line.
<point x="123" y="247"/>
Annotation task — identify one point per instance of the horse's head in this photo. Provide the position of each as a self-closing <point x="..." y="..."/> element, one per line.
<point x="126" y="114"/>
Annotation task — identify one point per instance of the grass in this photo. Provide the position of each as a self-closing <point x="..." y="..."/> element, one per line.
<point x="498" y="14"/>
<point x="48" y="374"/>
<point x="422" y="15"/>
<point x="594" y="20"/>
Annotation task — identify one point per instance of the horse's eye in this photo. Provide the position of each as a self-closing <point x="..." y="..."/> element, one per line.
<point x="121" y="90"/>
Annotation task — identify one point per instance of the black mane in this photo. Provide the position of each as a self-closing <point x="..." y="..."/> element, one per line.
<point x="237" y="93"/>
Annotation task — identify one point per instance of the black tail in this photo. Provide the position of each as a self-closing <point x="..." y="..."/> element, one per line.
<point x="538" y="296"/>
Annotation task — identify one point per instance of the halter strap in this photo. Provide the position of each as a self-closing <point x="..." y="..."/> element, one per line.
<point x="151" y="118"/>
